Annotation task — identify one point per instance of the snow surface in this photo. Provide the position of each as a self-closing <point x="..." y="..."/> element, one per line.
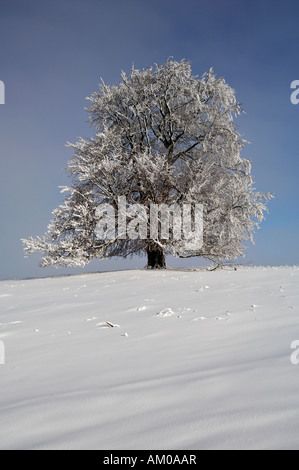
<point x="151" y="360"/>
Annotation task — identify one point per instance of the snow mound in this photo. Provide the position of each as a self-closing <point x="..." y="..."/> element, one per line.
<point x="166" y="312"/>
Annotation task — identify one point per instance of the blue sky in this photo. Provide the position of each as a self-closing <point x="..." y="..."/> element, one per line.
<point x="52" y="55"/>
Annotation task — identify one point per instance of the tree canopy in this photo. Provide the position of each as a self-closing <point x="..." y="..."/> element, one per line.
<point x="162" y="136"/>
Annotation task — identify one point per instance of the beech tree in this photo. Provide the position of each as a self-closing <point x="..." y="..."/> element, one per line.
<point x="162" y="136"/>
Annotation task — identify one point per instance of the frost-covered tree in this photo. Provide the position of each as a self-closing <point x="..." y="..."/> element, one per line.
<point x="162" y="136"/>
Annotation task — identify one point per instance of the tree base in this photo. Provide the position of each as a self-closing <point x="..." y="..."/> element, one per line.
<point x="155" y="259"/>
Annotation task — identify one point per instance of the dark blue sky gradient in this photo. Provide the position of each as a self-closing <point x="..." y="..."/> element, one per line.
<point x="52" y="55"/>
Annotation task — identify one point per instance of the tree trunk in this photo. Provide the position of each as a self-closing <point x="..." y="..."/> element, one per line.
<point x="155" y="259"/>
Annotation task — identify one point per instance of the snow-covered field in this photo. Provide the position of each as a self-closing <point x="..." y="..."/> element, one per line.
<point x="195" y="360"/>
